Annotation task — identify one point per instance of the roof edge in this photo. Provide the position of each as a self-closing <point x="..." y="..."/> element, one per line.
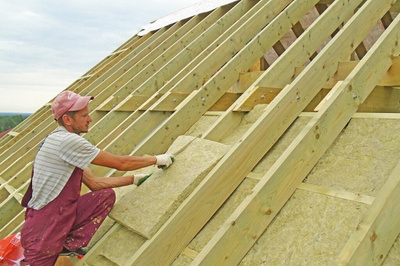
<point x="195" y="9"/>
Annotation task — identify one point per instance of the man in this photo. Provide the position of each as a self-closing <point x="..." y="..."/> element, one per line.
<point x="58" y="219"/>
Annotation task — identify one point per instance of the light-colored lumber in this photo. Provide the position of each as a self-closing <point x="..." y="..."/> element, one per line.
<point x="152" y="72"/>
<point x="251" y="218"/>
<point x="96" y="246"/>
<point x="337" y="193"/>
<point x="378" y="229"/>
<point x="169" y="62"/>
<point x="199" y="99"/>
<point x="203" y="48"/>
<point x="281" y="71"/>
<point x="138" y="51"/>
<point x="163" y="247"/>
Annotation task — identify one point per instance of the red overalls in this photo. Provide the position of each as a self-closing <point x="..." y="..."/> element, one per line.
<point x="69" y="221"/>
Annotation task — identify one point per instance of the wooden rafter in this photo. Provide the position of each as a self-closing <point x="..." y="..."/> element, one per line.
<point x="251" y="218"/>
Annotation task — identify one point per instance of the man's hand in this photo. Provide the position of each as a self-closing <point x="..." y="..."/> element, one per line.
<point x="138" y="179"/>
<point x="164" y="160"/>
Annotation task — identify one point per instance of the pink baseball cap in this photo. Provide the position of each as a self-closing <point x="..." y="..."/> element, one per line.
<point x="68" y="101"/>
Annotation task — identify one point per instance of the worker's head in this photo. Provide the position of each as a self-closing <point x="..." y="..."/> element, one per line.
<point x="71" y="111"/>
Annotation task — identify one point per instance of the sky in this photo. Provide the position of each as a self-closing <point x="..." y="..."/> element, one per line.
<point x="45" y="45"/>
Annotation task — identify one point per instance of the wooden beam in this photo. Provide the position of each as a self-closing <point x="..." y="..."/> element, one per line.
<point x="13" y="133"/>
<point x="138" y="60"/>
<point x="105" y="73"/>
<point x="396" y="6"/>
<point x="148" y="78"/>
<point x="390" y="79"/>
<point x="213" y="191"/>
<point x="257" y="95"/>
<point x="251" y="218"/>
<point x="13" y="225"/>
<point x="206" y="97"/>
<point x="381" y="100"/>
<point x="202" y="48"/>
<point x="169" y="101"/>
<point x="225" y="101"/>
<point x="362" y="115"/>
<point x="190" y="253"/>
<point x="337" y="193"/>
<point x="132" y="103"/>
<point x="283" y="69"/>
<point x="98" y="244"/>
<point x="378" y="229"/>
<point x="179" y="51"/>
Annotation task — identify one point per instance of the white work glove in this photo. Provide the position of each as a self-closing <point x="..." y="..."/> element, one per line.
<point x="138" y="179"/>
<point x="164" y="160"/>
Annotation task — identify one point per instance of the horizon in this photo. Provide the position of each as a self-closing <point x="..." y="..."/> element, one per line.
<point x="17" y="113"/>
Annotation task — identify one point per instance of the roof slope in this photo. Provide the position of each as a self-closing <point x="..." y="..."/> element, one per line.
<point x="301" y="97"/>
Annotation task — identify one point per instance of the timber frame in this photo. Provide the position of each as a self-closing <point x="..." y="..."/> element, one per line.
<point x="340" y="63"/>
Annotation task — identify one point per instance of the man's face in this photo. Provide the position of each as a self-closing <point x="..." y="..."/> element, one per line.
<point x="80" y="121"/>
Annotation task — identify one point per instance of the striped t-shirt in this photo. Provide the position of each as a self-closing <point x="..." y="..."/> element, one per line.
<point x="55" y="161"/>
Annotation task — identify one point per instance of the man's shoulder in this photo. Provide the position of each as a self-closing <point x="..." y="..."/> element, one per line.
<point x="63" y="134"/>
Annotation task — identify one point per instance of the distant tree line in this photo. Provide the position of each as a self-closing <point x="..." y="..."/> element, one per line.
<point x="10" y="121"/>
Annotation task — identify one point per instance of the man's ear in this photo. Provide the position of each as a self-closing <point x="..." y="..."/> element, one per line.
<point x="66" y="119"/>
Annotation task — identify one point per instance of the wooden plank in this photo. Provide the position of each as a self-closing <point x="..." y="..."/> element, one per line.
<point x="13" y="133"/>
<point x="132" y="56"/>
<point x="381" y="100"/>
<point x="363" y="115"/>
<point x="131" y="79"/>
<point x="245" y="81"/>
<point x="194" y="53"/>
<point x="213" y="113"/>
<point x="326" y="98"/>
<point x="257" y="95"/>
<point x="131" y="103"/>
<point x="130" y="43"/>
<point x="396" y="6"/>
<point x="225" y="101"/>
<point x="111" y="61"/>
<point x="98" y="244"/>
<point x="190" y="59"/>
<point x="173" y="237"/>
<point x="210" y="34"/>
<point x="392" y="77"/>
<point x="13" y="225"/>
<point x="9" y="211"/>
<point x="202" y="99"/>
<point x="190" y="253"/>
<point x="143" y="56"/>
<point x="281" y="72"/>
<point x="164" y="60"/>
<point x="251" y="218"/>
<point x="378" y="229"/>
<point x="337" y="193"/>
<point x="25" y="128"/>
<point x="169" y="101"/>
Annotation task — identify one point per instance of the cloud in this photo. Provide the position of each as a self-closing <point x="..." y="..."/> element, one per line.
<point x="45" y="45"/>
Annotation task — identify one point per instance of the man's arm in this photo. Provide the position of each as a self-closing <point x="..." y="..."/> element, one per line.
<point x="95" y="183"/>
<point x="123" y="163"/>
